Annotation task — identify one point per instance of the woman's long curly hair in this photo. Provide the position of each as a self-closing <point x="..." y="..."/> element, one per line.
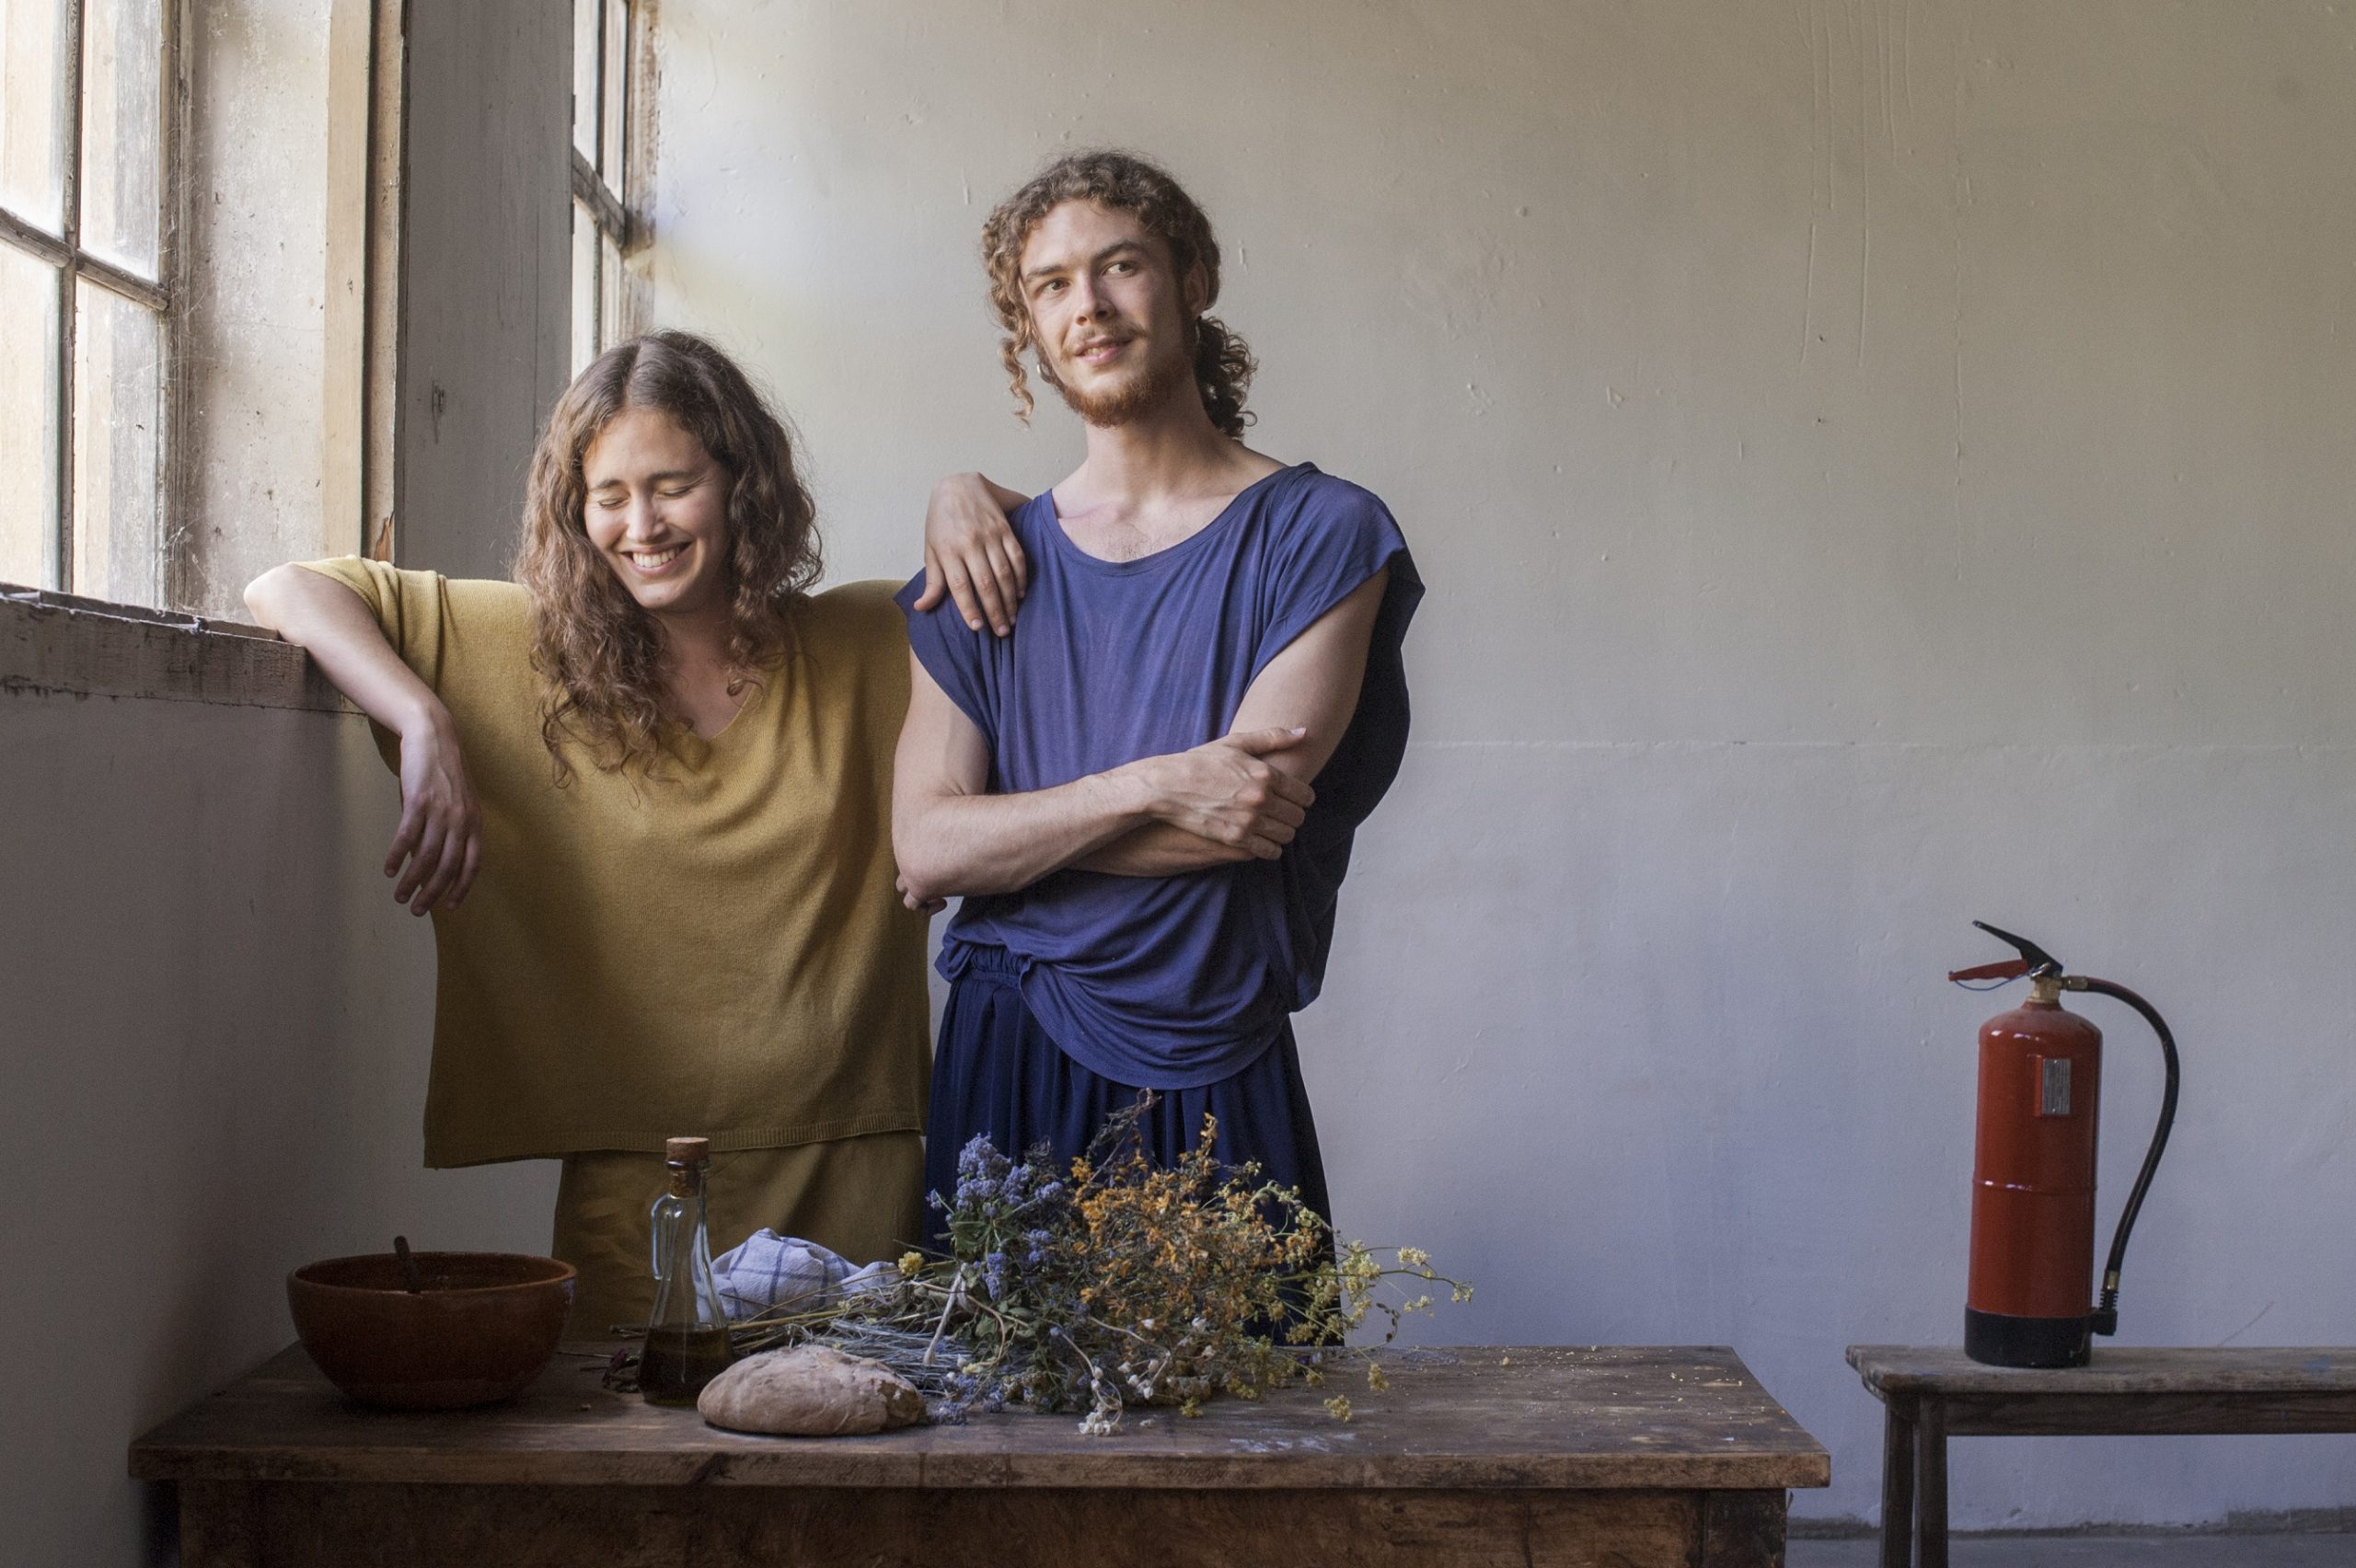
<point x="599" y="654"/>
<point x="1125" y="183"/>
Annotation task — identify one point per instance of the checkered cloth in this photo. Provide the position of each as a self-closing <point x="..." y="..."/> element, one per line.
<point x="769" y="1269"/>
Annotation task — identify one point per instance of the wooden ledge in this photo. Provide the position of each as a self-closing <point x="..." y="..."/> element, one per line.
<point x="61" y="644"/>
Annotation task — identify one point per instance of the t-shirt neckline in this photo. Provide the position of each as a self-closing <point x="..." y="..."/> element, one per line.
<point x="697" y="751"/>
<point x="1067" y="546"/>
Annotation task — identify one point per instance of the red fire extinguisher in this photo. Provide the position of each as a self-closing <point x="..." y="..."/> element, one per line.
<point x="2033" y="1170"/>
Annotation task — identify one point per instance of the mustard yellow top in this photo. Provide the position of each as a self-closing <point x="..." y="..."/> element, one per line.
<point x="718" y="950"/>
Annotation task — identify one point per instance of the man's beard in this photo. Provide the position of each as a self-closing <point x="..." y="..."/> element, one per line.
<point x="1134" y="398"/>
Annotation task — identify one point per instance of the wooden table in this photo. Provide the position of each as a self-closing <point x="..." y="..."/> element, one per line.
<point x="1630" y="1457"/>
<point x="1933" y="1394"/>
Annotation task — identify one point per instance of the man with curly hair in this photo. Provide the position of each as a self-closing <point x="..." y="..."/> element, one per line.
<point x="1145" y="791"/>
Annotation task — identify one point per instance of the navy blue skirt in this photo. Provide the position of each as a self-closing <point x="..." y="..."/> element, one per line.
<point x="997" y="1072"/>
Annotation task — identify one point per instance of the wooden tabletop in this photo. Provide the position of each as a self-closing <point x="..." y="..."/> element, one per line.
<point x="1607" y="1416"/>
<point x="2115" y="1369"/>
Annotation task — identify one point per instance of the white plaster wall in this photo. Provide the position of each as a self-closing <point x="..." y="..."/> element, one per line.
<point x="1876" y="465"/>
<point x="213" y="1054"/>
<point x="254" y="326"/>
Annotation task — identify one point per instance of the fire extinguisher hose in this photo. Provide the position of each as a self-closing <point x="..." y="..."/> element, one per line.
<point x="2107" y="1313"/>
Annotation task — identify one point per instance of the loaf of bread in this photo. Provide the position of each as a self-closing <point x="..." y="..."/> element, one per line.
<point x="810" y="1391"/>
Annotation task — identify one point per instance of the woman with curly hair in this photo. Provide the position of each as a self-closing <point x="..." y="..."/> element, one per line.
<point x="646" y="795"/>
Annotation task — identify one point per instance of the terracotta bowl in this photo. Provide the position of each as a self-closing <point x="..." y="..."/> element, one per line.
<point x="480" y="1332"/>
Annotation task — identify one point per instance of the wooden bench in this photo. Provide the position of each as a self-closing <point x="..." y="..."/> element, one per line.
<point x="1575" y="1457"/>
<point x="1933" y="1394"/>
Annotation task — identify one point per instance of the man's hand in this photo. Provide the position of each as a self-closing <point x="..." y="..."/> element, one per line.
<point x="438" y="845"/>
<point x="1225" y="792"/>
<point x="971" y="553"/>
<point x="926" y="907"/>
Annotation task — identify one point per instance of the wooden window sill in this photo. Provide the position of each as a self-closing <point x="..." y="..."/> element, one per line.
<point x="61" y="644"/>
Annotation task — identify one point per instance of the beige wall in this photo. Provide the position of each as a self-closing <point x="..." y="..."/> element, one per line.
<point x="1876" y="465"/>
<point x="212" y="1060"/>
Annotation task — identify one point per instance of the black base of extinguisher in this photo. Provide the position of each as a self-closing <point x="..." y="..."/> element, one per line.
<point x="1996" y="1339"/>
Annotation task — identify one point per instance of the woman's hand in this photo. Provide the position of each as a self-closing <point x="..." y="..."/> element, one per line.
<point x="438" y="845"/>
<point x="1226" y="791"/>
<point x="971" y="553"/>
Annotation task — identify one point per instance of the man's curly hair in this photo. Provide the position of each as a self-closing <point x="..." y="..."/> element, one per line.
<point x="1125" y="183"/>
<point x="598" y="653"/>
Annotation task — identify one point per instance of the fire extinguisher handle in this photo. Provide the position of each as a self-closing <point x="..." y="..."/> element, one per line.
<point x="2033" y="957"/>
<point x="2106" y="1312"/>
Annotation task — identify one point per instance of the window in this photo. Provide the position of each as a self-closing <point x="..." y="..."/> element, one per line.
<point x="89" y="169"/>
<point x="608" y="55"/>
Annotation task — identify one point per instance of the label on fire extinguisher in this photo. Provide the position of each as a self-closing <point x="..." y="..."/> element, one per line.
<point x="2053" y="1086"/>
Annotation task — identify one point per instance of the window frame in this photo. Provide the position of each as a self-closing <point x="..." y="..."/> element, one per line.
<point x="163" y="297"/>
<point x="615" y="212"/>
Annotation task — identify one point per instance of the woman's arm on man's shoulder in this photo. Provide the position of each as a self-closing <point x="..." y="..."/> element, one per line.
<point x="971" y="553"/>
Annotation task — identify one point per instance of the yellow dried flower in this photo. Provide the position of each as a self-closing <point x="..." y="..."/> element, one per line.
<point x="1143" y="1285"/>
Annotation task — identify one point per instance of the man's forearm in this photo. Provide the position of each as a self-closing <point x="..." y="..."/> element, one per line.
<point x="1157" y="850"/>
<point x="952" y="845"/>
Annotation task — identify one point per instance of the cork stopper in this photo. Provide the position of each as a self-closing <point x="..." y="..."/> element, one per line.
<point x="688" y="1151"/>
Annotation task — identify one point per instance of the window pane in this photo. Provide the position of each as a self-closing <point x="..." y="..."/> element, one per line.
<point x="584" y="288"/>
<point x="32" y="140"/>
<point x="584" y="78"/>
<point x="27" y="419"/>
<point x="122" y="123"/>
<point x="617" y="97"/>
<point x="609" y="295"/>
<point x="118" y="401"/>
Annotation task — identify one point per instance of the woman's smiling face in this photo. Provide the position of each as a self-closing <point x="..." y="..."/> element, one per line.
<point x="656" y="508"/>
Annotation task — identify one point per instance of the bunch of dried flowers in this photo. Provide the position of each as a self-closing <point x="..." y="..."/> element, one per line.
<point x="1118" y="1282"/>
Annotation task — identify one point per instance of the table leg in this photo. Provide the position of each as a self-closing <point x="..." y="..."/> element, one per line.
<point x="1740" y="1529"/>
<point x="1931" y="1468"/>
<point x="220" y="1523"/>
<point x="1896" y="1484"/>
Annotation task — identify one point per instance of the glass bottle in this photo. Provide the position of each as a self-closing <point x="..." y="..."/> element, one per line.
<point x="687" y="1342"/>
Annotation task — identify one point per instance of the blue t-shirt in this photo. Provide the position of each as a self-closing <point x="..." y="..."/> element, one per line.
<point x="1176" y="982"/>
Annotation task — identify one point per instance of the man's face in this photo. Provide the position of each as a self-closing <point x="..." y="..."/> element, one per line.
<point x="1107" y="312"/>
<point x="657" y="511"/>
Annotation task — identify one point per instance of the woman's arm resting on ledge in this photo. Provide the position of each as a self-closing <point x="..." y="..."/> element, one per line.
<point x="1312" y="685"/>
<point x="437" y="849"/>
<point x="952" y="838"/>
